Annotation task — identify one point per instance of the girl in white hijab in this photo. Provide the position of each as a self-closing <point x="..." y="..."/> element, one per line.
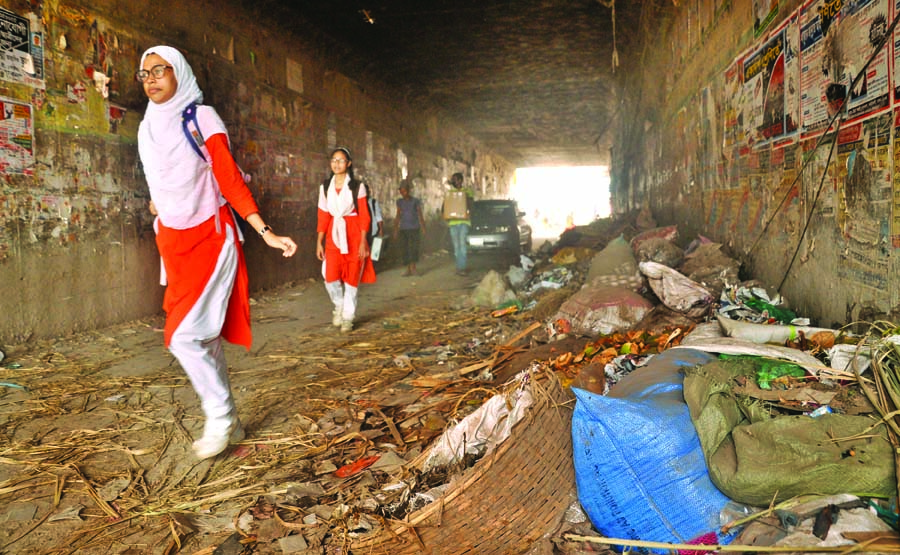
<point x="207" y="294"/>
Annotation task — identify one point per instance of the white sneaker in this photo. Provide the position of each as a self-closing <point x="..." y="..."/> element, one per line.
<point x="336" y="319"/>
<point x="346" y="325"/>
<point x="211" y="444"/>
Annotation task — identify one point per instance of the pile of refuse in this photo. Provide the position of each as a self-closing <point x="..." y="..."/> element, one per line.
<point x="708" y="412"/>
<point x="614" y="388"/>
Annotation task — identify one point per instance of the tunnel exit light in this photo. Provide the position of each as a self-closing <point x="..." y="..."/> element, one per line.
<point x="554" y="198"/>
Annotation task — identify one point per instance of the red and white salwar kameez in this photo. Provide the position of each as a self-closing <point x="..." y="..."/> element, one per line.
<point x="344" y="224"/>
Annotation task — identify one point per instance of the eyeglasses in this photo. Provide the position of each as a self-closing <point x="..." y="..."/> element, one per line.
<point x="156" y="71"/>
<point x="339" y="160"/>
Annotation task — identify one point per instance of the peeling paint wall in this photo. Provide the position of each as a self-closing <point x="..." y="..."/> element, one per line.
<point x="814" y="212"/>
<point x="77" y="248"/>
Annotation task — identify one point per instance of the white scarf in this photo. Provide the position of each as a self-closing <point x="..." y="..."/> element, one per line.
<point x="178" y="179"/>
<point x="340" y="204"/>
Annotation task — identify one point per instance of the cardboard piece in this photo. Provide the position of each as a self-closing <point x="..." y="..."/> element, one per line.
<point x="456" y="206"/>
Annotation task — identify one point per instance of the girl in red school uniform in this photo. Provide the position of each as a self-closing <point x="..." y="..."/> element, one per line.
<point x="207" y="296"/>
<point x="341" y="242"/>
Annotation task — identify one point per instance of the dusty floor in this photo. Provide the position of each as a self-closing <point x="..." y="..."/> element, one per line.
<point x="95" y="452"/>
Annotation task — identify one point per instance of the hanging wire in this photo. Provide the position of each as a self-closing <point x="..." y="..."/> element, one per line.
<point x="611" y="4"/>
<point x="843" y="110"/>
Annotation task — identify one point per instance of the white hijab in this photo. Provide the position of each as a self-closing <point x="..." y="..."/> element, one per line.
<point x="175" y="173"/>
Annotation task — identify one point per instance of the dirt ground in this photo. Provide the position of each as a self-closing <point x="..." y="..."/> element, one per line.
<point x="95" y="429"/>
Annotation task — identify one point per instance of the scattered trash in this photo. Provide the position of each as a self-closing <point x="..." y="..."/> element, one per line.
<point x="356" y="467"/>
<point x="571" y="255"/>
<point x="526" y="263"/>
<point x="660" y="251"/>
<point x="482" y="430"/>
<point x="363" y="453"/>
<point x="70" y="513"/>
<point x="675" y="290"/>
<point x="517" y="276"/>
<point x="401" y="361"/>
<point x="509" y="307"/>
<point x="492" y="291"/>
<point x="551" y="279"/>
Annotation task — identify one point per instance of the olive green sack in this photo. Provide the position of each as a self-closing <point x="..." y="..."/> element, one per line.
<point x="756" y="458"/>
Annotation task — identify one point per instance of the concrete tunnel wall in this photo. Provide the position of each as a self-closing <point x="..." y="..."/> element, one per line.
<point x="77" y="248"/>
<point x="718" y="132"/>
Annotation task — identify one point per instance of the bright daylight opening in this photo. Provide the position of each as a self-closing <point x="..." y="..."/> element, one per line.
<point x="555" y="198"/>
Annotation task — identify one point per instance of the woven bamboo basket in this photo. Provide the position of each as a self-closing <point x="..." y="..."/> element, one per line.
<point x="504" y="503"/>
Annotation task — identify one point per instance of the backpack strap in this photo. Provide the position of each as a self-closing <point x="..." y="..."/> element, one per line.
<point x="192" y="131"/>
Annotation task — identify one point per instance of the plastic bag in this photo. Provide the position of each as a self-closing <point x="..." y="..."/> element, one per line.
<point x="639" y="466"/>
<point x="764" y="333"/>
<point x="481" y="431"/>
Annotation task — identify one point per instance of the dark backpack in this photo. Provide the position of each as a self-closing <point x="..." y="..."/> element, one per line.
<point x="191" y="130"/>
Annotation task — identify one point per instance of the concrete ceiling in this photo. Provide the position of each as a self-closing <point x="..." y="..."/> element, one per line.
<point x="531" y="79"/>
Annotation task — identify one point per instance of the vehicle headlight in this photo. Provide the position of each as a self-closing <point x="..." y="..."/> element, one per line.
<point x="503" y="229"/>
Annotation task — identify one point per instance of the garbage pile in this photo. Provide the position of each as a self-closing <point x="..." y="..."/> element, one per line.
<point x="708" y="412"/>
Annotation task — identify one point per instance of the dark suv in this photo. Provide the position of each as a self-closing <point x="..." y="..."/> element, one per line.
<point x="497" y="225"/>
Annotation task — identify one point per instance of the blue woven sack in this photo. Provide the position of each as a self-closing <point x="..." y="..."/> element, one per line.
<point x="639" y="467"/>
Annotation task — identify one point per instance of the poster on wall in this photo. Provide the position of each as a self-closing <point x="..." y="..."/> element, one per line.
<point x="733" y="106"/>
<point x="836" y="39"/>
<point x="764" y="12"/>
<point x="896" y="54"/>
<point x="21" y="51"/>
<point x="769" y="90"/>
<point x="863" y="197"/>
<point x="863" y="25"/>
<point x="792" y="77"/>
<point x="16" y="137"/>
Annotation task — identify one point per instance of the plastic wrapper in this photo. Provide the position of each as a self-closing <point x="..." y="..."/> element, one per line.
<point x="850" y="358"/>
<point x="732" y="346"/>
<point x="481" y="431"/>
<point x="765" y="333"/>
<point x="492" y="291"/>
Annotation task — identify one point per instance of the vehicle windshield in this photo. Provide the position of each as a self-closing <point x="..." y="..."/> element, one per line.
<point x="493" y="212"/>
